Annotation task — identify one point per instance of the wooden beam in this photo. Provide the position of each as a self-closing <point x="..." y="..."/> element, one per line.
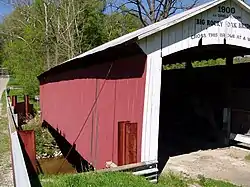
<point x="240" y="138"/>
<point x="131" y="167"/>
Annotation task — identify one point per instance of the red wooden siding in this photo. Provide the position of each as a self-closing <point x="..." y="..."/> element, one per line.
<point x="67" y="99"/>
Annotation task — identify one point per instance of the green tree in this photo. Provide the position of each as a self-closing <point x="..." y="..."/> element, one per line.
<point x="118" y="24"/>
<point x="45" y="33"/>
<point x="25" y="60"/>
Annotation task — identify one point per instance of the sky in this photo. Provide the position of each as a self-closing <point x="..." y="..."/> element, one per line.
<point x="5" y="8"/>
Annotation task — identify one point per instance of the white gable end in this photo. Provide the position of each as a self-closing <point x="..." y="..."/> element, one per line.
<point x="225" y="23"/>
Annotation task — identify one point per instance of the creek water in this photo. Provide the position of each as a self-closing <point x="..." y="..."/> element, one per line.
<point x="51" y="166"/>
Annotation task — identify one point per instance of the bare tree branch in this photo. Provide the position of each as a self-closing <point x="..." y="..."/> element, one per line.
<point x="151" y="11"/>
<point x="158" y="9"/>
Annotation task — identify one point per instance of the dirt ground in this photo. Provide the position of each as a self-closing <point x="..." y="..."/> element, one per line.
<point x="228" y="164"/>
<point x="6" y="177"/>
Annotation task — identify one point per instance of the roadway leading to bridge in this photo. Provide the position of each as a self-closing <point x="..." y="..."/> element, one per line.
<point x="227" y="164"/>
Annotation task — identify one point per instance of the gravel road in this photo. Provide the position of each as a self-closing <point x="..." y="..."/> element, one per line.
<point x="228" y="164"/>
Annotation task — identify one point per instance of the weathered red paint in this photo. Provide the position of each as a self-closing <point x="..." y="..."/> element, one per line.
<point x="28" y="141"/>
<point x="67" y="98"/>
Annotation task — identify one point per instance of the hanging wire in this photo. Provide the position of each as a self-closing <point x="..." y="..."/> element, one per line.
<point x="107" y="75"/>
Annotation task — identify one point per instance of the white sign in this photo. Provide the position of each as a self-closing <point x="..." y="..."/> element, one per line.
<point x="226" y="23"/>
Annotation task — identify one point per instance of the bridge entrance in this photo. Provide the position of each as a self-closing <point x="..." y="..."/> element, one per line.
<point x="201" y="101"/>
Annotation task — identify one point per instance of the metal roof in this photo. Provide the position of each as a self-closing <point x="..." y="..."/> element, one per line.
<point x="159" y="26"/>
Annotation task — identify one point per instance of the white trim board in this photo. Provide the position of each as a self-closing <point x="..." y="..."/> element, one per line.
<point x="150" y="126"/>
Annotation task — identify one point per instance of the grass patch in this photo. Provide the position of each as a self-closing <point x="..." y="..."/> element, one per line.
<point x="117" y="179"/>
<point x="12" y="82"/>
<point x="213" y="183"/>
<point x="4" y="136"/>
<point x="4" y="103"/>
<point x="94" y="179"/>
<point x="174" y="180"/>
<point x="247" y="157"/>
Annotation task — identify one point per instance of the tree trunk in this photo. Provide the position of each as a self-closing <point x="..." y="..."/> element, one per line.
<point x="46" y="35"/>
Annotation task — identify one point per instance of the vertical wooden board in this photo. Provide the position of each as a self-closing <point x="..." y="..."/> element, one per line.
<point x="215" y="15"/>
<point x="165" y="40"/>
<point x="86" y="103"/>
<point x="191" y="33"/>
<point x="185" y="34"/>
<point x="204" y="16"/>
<point x="197" y="27"/>
<point x="104" y="135"/>
<point x="131" y="143"/>
<point x="242" y="32"/>
<point x="28" y="140"/>
<point x="154" y="108"/>
<point x="133" y="138"/>
<point x="121" y="142"/>
<point x="228" y="23"/>
<point x="152" y="102"/>
<point x="177" y="37"/>
<point x="212" y="31"/>
<point x="171" y="38"/>
<point x="204" y="27"/>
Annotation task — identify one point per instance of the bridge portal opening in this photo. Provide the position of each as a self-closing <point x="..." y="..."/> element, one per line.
<point x="195" y="95"/>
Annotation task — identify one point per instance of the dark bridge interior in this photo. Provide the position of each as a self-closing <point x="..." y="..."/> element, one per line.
<point x="193" y="98"/>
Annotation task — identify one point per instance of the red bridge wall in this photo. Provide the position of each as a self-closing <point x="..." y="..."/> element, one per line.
<point x="67" y="98"/>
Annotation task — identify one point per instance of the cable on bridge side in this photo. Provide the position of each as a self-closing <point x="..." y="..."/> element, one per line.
<point x="78" y="135"/>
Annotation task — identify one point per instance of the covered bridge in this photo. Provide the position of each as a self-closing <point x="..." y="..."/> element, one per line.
<point x="116" y="103"/>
